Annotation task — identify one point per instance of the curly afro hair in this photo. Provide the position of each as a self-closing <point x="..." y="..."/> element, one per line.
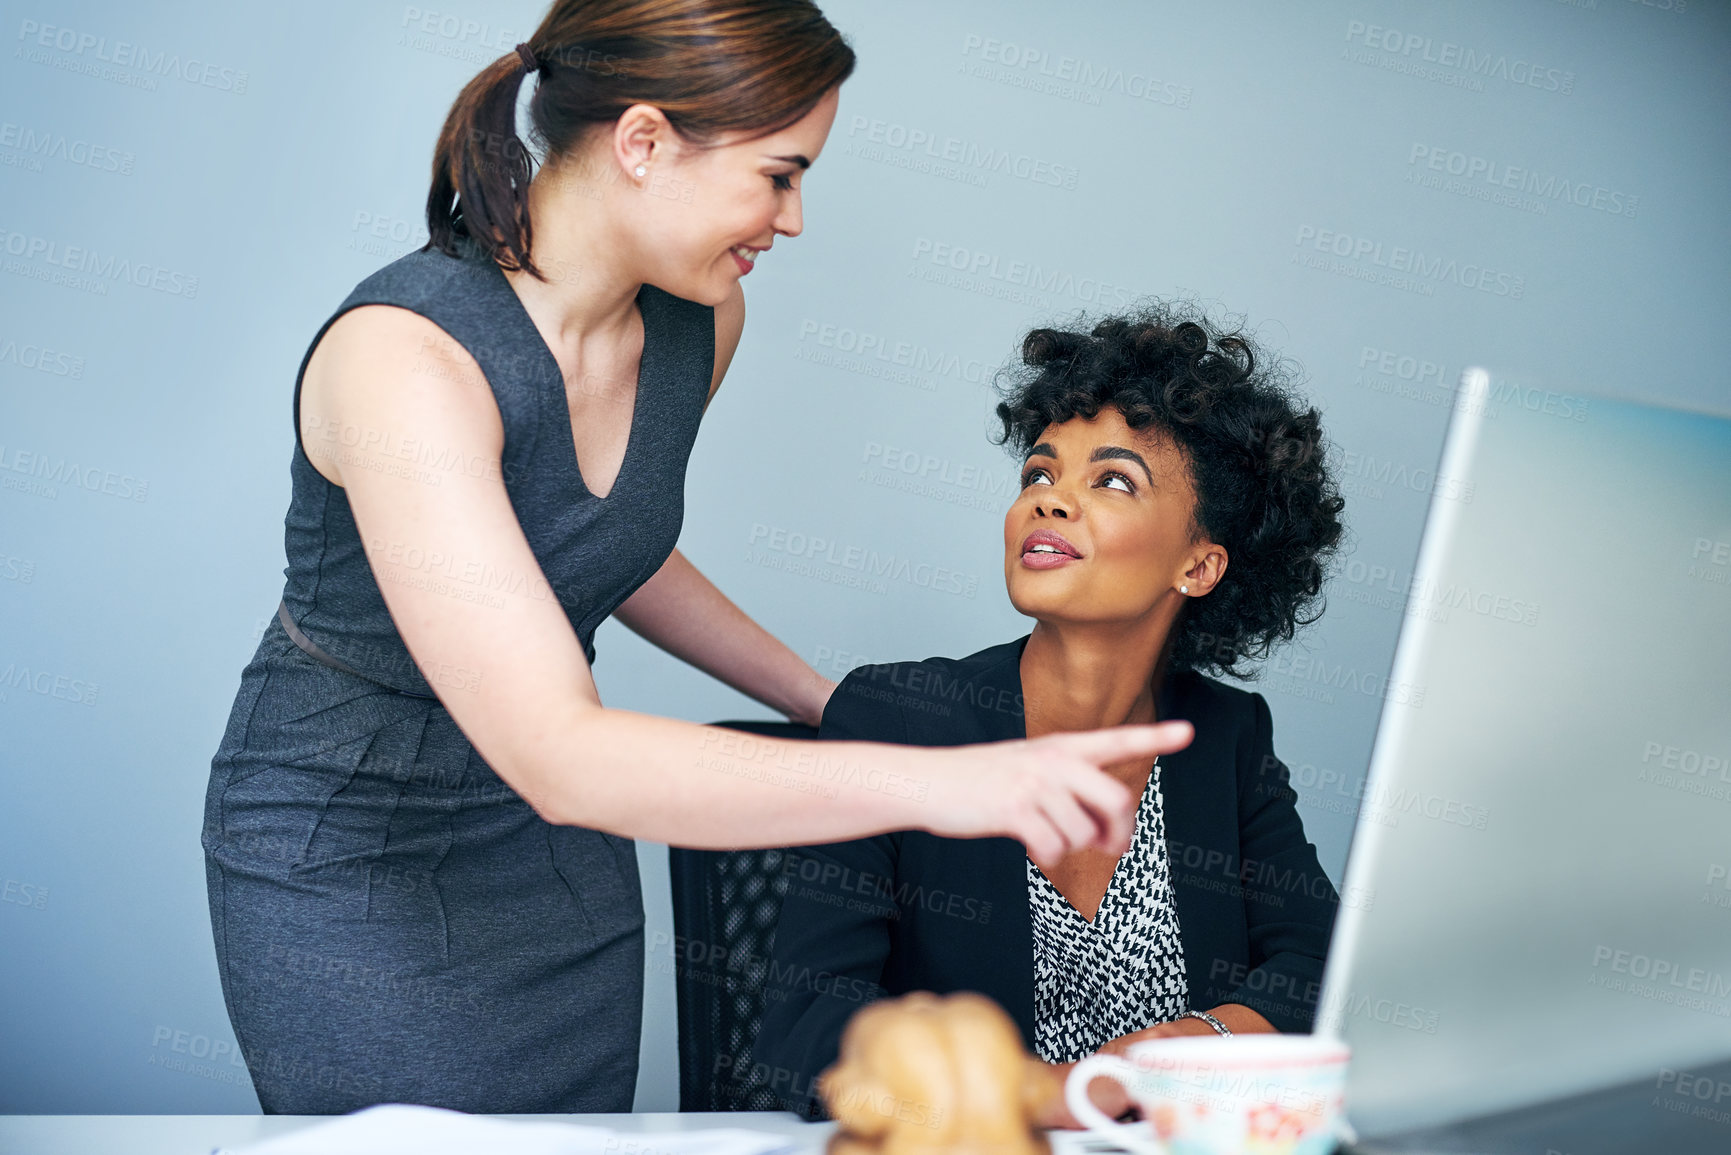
<point x="1256" y="455"/>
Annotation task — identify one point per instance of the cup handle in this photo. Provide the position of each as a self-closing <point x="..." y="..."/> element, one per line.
<point x="1131" y="1138"/>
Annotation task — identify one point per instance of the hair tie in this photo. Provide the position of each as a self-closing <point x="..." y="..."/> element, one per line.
<point x="527" y="55"/>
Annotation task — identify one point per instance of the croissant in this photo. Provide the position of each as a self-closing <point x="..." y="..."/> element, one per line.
<point x="926" y="1074"/>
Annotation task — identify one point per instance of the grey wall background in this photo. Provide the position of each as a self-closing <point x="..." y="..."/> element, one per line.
<point x="1385" y="191"/>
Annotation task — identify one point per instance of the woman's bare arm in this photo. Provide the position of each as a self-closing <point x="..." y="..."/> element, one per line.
<point x="529" y="704"/>
<point x="682" y="612"/>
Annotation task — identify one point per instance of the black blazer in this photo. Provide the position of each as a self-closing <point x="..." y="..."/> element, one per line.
<point x="912" y="911"/>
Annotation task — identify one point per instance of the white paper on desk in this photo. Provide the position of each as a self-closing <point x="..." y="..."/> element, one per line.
<point x="401" y="1130"/>
<point x="1082" y="1143"/>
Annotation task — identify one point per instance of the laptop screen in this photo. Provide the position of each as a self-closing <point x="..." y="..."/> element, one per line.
<point x="1543" y="847"/>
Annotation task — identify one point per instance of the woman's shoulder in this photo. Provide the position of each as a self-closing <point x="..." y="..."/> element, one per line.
<point x="414" y="276"/>
<point x="943" y="679"/>
<point x="688" y="328"/>
<point x="1194" y="695"/>
<point x="981" y="663"/>
<point x="684" y="306"/>
<point x="1234" y="727"/>
<point x="935" y="701"/>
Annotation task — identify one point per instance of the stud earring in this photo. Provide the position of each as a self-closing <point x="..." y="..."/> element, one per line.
<point x="1183" y="589"/>
<point x="640" y="170"/>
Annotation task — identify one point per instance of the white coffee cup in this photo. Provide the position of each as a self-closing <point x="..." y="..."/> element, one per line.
<point x="1219" y="1095"/>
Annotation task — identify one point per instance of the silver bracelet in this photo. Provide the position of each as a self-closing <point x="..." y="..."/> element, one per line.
<point x="1219" y="1027"/>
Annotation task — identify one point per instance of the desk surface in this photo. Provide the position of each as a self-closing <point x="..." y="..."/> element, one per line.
<point x="198" y="1134"/>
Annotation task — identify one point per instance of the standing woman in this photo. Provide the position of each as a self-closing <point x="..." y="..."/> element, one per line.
<point x="417" y="828"/>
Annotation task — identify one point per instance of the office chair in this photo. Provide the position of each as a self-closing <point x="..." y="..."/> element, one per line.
<point x="725" y="904"/>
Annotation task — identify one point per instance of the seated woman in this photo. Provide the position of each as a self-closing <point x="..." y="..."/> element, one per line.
<point x="1175" y="516"/>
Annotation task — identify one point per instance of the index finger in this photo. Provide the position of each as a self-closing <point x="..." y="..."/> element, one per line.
<point x="1121" y="743"/>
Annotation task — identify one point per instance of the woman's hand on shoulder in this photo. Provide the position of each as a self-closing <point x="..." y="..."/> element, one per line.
<point x="1049" y="793"/>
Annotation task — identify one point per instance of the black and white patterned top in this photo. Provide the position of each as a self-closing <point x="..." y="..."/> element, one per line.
<point x="1122" y="972"/>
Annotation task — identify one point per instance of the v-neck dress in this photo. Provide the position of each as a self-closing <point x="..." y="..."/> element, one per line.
<point x="392" y="922"/>
<point x="1097" y="980"/>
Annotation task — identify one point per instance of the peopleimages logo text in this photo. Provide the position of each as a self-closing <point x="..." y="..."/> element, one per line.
<point x="965" y="153"/>
<point x="125" y="54"/>
<point x="985" y="266"/>
<point x="862" y="560"/>
<point x="1546" y="187"/>
<point x="47" y="145"/>
<point x="1448" y="54"/>
<point x="1078" y="71"/>
<point x="60" y="470"/>
<point x="91" y="263"/>
<point x="1413" y="262"/>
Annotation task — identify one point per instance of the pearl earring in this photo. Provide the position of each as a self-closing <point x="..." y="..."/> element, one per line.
<point x="640" y="170"/>
<point x="1183" y="589"/>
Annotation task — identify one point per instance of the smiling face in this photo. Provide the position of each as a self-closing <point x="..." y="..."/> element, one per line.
<point x="1102" y="530"/>
<point x="704" y="214"/>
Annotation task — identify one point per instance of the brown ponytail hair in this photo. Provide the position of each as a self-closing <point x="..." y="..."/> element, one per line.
<point x="712" y="66"/>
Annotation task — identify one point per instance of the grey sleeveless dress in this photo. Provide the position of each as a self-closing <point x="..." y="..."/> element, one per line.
<point x="393" y="923"/>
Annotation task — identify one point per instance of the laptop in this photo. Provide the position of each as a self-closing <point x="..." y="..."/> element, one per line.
<point x="1541" y="958"/>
